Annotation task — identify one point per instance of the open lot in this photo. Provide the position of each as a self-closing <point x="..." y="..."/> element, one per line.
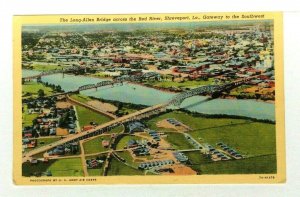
<point x="29" y="169"/>
<point x="254" y="165"/>
<point x="62" y="104"/>
<point x="80" y="97"/>
<point x="60" y="167"/>
<point x="46" y="66"/>
<point x="178" y="141"/>
<point x="103" y="106"/>
<point x="117" y="129"/>
<point x="196" y="158"/>
<point x="192" y="121"/>
<point x="127" y="156"/>
<point x="251" y="139"/>
<point x="95" y="103"/>
<point x="94" y="145"/>
<point x="27" y="118"/>
<point x="95" y="172"/>
<point x="33" y="87"/>
<point x="61" y="131"/>
<point x="66" y="167"/>
<point x="118" y="168"/>
<point x="85" y="116"/>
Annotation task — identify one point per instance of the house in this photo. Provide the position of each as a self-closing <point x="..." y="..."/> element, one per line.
<point x="151" y="164"/>
<point x="105" y="143"/>
<point x="141" y="151"/>
<point x="93" y="163"/>
<point x="182" y="158"/>
<point x="52" y="131"/>
<point x="136" y="127"/>
<point x="87" y="127"/>
<point x="33" y="161"/>
<point x="71" y="131"/>
<point x="132" y="143"/>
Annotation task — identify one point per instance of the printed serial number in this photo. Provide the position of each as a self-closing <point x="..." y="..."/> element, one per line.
<point x="266" y="177"/>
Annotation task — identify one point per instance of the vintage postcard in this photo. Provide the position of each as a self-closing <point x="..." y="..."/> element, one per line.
<point x="149" y="98"/>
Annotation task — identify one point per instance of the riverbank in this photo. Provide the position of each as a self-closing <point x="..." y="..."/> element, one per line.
<point x="170" y="90"/>
<point x="148" y="96"/>
<point x="178" y="90"/>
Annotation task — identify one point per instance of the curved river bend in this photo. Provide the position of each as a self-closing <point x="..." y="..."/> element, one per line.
<point x="137" y="94"/>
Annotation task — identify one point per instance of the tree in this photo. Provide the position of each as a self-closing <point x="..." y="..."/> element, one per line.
<point x="41" y="93"/>
<point x="64" y="119"/>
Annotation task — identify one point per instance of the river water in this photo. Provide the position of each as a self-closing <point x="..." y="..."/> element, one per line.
<point x="137" y="94"/>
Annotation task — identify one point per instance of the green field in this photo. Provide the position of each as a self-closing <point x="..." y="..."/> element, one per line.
<point x="129" y="159"/>
<point x="103" y="119"/>
<point x="254" y="165"/>
<point x="178" y="141"/>
<point x="249" y="138"/>
<point x="46" y="66"/>
<point x="127" y="156"/>
<point x="95" y="172"/>
<point x="196" y="158"/>
<point x="127" y="110"/>
<point x="67" y="167"/>
<point x="33" y="87"/>
<point x="81" y="98"/>
<point x="94" y="145"/>
<point x="27" y="118"/>
<point x="118" y="168"/>
<point x="117" y="129"/>
<point x="60" y="167"/>
<point x="124" y="140"/>
<point x="193" y="122"/>
<point x="29" y="169"/>
<point x="85" y="116"/>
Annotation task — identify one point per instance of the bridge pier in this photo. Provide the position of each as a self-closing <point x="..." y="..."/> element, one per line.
<point x="39" y="79"/>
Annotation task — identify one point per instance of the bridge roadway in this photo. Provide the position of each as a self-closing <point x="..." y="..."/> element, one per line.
<point x="85" y="87"/>
<point x="51" y="72"/>
<point x="209" y="89"/>
<point x="97" y="130"/>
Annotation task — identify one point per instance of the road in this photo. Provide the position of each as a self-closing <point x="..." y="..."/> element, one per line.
<point x="82" y="157"/>
<point x="133" y="116"/>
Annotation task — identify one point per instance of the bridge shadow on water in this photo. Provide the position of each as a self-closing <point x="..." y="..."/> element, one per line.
<point x="198" y="103"/>
<point x="219" y="126"/>
<point x="225" y="125"/>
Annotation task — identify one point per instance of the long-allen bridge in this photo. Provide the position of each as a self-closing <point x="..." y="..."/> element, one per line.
<point x="117" y="81"/>
<point x="75" y="68"/>
<point x="50" y="72"/>
<point x="212" y="90"/>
